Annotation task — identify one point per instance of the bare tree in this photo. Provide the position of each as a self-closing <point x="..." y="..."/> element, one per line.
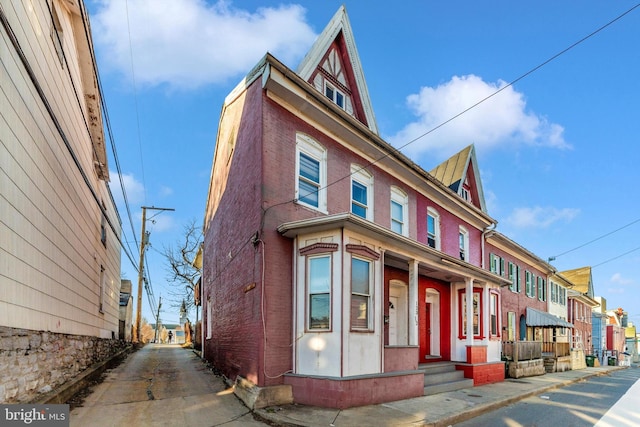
<point x="181" y="269"/>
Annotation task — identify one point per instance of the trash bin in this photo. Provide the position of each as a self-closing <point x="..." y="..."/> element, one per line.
<point x="590" y="361"/>
<point x="612" y="361"/>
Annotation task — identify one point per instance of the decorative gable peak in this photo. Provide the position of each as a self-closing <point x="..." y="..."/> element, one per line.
<point x="460" y="173"/>
<point x="333" y="67"/>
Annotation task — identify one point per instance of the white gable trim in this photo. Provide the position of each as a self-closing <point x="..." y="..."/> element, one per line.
<point x="340" y="22"/>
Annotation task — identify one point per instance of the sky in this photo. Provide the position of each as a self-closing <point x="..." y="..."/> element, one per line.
<point x="558" y="146"/>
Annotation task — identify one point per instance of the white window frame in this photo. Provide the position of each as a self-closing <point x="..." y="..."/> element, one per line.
<point x="431" y="212"/>
<point x="529" y="283"/>
<point x="310" y="293"/>
<point x="364" y="178"/>
<point x="307" y="146"/>
<point x="463" y="243"/>
<point x="369" y="296"/>
<point x="335" y="94"/>
<point x="399" y="197"/>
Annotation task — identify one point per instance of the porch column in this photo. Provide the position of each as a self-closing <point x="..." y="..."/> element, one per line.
<point x="413" y="302"/>
<point x="469" y="295"/>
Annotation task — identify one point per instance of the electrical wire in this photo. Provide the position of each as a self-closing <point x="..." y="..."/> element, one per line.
<point x="616" y="257"/>
<point x="135" y="99"/>
<point x="595" y="240"/>
<point x="395" y="151"/>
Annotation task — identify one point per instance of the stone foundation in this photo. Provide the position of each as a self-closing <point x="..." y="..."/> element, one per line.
<point x="34" y="363"/>
<point x="526" y="368"/>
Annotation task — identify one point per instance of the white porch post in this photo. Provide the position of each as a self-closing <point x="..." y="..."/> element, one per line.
<point x="469" y="296"/>
<point x="413" y="302"/>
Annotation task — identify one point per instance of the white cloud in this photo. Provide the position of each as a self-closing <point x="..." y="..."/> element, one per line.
<point x="190" y="43"/>
<point x="540" y="217"/>
<point x="166" y="191"/>
<point x="133" y="188"/>
<point x="501" y="119"/>
<point x="618" y="279"/>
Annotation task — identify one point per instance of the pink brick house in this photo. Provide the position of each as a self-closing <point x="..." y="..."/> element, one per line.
<point x="335" y="268"/>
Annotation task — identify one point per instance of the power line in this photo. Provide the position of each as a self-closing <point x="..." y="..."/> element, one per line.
<point x="394" y="151"/>
<point x="552" y="258"/>
<point x="616" y="257"/>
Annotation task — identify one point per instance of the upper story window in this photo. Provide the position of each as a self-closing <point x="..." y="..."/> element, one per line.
<point x="311" y="172"/>
<point x="529" y="280"/>
<point x="463" y="239"/>
<point x="433" y="228"/>
<point x="514" y="275"/>
<point x="334" y="94"/>
<point x="361" y="192"/>
<point x="542" y="288"/>
<point x="319" y="292"/>
<point x="496" y="264"/>
<point x="399" y="202"/>
<point x="57" y="34"/>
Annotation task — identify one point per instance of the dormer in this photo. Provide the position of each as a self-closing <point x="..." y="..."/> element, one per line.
<point x="333" y="67"/>
<point x="460" y="173"/>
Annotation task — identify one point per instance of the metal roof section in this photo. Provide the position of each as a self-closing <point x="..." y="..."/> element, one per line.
<point x="454" y="171"/>
<point x="339" y="24"/>
<point x="581" y="278"/>
<point x="540" y="318"/>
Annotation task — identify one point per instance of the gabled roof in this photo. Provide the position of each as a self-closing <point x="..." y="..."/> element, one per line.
<point x="461" y="169"/>
<point x="581" y="278"/>
<point x="334" y="56"/>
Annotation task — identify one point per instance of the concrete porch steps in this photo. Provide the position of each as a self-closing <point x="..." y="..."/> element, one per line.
<point x="442" y="377"/>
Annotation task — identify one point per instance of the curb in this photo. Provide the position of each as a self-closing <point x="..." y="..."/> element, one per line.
<point x="479" y="410"/>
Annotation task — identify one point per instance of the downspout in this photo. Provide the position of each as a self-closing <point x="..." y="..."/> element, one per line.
<point x="485" y="232"/>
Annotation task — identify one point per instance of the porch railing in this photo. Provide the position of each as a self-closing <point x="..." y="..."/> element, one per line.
<point x="556" y="349"/>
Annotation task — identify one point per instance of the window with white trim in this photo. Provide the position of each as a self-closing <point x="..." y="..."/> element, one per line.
<point x="494" y="314"/>
<point x="463" y="239"/>
<point x="496" y="264"/>
<point x="542" y="288"/>
<point x="311" y="173"/>
<point x="399" y="202"/>
<point x="529" y="284"/>
<point x="361" y="278"/>
<point x="319" y="292"/>
<point x="334" y="94"/>
<point x="433" y="228"/>
<point x="361" y="192"/>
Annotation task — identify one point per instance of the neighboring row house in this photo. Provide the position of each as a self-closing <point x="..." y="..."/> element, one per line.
<point x="59" y="228"/>
<point x="336" y="271"/>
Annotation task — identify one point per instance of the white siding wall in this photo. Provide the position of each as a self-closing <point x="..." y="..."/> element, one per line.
<point x="50" y="222"/>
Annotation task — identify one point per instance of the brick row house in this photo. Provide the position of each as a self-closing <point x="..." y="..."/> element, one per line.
<point x="335" y="268"/>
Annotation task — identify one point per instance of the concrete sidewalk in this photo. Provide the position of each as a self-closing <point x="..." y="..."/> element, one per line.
<point x="443" y="409"/>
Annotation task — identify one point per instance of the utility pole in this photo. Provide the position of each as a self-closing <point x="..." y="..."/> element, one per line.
<point x="155" y="338"/>
<point x="143" y="243"/>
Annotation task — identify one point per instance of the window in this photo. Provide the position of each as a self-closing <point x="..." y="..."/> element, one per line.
<point x="554" y="292"/>
<point x="334" y="94"/>
<point x="494" y="312"/>
<point x="103" y="226"/>
<point x="360" y="293"/>
<point x="398" y="211"/>
<point x="433" y="228"/>
<point x="103" y="287"/>
<point x="563" y="296"/>
<point x="361" y="192"/>
<point x="311" y="167"/>
<point x="463" y="239"/>
<point x="477" y="313"/>
<point x="57" y="33"/>
<point x="319" y="289"/>
<point x="496" y="264"/>
<point x="529" y="288"/>
<point x="514" y="276"/>
<point x="542" y="289"/>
